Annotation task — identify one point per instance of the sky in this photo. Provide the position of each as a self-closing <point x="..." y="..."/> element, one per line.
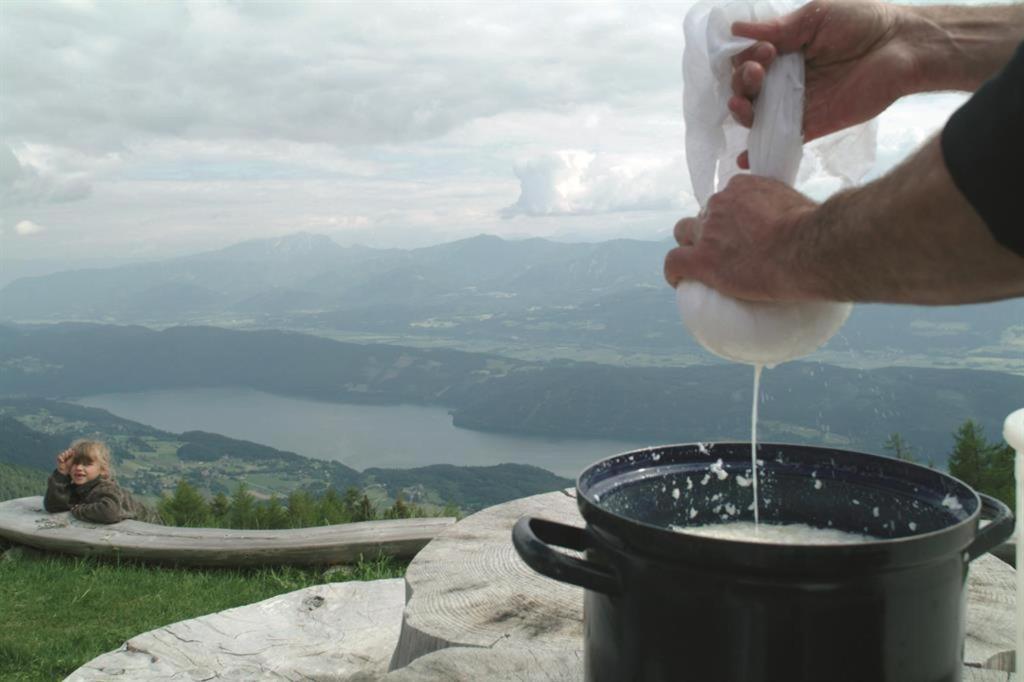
<point x="145" y="130"/>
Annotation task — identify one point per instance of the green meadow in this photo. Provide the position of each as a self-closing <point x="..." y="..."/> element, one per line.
<point x="61" y="612"/>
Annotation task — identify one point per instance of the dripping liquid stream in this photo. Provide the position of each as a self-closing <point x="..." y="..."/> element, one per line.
<point x="753" y="440"/>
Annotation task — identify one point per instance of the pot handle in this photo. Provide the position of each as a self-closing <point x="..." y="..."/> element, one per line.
<point x="999" y="529"/>
<point x="531" y="538"/>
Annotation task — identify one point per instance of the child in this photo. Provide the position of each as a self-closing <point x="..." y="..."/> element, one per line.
<point x="83" y="483"/>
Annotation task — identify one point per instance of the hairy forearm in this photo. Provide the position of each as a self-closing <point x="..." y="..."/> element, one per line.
<point x="908" y="237"/>
<point x="957" y="47"/>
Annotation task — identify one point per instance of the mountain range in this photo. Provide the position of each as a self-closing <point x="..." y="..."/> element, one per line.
<point x="305" y="272"/>
<point x="535" y="297"/>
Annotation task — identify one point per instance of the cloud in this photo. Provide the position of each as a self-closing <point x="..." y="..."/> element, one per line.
<point x="348" y="74"/>
<point x="574" y="182"/>
<point x="904" y="127"/>
<point x="196" y="124"/>
<point x="26" y="228"/>
<point x="176" y="127"/>
<point x="24" y="184"/>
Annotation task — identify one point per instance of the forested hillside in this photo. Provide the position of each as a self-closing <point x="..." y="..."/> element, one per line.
<point x="801" y="402"/>
<point x="18" y="481"/>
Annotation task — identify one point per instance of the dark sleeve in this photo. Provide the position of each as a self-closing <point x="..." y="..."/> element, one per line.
<point x="983" y="145"/>
<point x="102" y="506"/>
<point x="58" y="491"/>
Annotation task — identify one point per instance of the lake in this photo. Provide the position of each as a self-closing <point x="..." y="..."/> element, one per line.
<point x="361" y="436"/>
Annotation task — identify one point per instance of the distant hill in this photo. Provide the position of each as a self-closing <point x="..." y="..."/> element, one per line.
<point x="321" y="275"/>
<point x="150" y="462"/>
<point x="23" y="446"/>
<point x="80" y="359"/>
<point x="475" y="487"/>
<point x="481" y="292"/>
<point x="802" y="402"/>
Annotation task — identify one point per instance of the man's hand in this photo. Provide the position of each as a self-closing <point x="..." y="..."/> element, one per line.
<point x="747" y="243"/>
<point x="907" y="237"/>
<point x="64" y="461"/>
<point x="863" y="55"/>
<point x="858" y="62"/>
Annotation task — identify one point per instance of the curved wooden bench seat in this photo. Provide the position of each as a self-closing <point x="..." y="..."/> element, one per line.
<point x="24" y="521"/>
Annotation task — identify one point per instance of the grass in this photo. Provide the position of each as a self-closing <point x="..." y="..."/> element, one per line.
<point x="60" y="612"/>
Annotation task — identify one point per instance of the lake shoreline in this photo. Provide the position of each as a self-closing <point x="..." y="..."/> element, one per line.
<point x="359" y="435"/>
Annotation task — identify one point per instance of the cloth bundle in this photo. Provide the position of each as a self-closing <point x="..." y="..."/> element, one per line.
<point x="758" y="333"/>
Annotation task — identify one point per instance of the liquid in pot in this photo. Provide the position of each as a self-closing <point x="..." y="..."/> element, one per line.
<point x="775" y="534"/>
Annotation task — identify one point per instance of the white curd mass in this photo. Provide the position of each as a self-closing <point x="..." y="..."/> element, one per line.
<point x="786" y="534"/>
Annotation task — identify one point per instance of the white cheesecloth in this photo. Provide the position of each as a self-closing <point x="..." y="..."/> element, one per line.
<point x="758" y="333"/>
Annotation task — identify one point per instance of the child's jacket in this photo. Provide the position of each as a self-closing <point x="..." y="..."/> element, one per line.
<point x="99" y="501"/>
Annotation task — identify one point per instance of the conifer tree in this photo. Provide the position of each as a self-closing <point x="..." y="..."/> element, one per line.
<point x="399" y="510"/>
<point x="272" y="514"/>
<point x="186" y="507"/>
<point x="970" y="453"/>
<point x="219" y="508"/>
<point x="351" y="501"/>
<point x="898" y="448"/>
<point x="331" y="509"/>
<point x="301" y="510"/>
<point x="364" y="510"/>
<point x="986" y="467"/>
<point x="242" y="512"/>
<point x="999" y="475"/>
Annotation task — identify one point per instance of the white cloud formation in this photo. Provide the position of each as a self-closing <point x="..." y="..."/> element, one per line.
<point x="24" y="184"/>
<point x="573" y="182"/>
<point x="157" y="128"/>
<point x="908" y="123"/>
<point x="198" y="123"/>
<point x="105" y="75"/>
<point x="27" y="228"/>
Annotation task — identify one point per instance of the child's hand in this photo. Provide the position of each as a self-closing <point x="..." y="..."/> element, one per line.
<point x="64" y="461"/>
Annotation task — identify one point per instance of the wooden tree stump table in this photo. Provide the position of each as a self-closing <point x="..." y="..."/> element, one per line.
<point x="473" y="605"/>
<point x="469" y="588"/>
<point x="339" y="631"/>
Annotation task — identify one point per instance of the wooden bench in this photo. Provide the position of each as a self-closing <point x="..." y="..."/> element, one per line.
<point x="24" y="521"/>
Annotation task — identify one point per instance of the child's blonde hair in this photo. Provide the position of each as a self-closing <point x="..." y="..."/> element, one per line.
<point x="92" y="451"/>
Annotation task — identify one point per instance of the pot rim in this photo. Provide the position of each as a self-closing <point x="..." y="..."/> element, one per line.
<point x="622" y="532"/>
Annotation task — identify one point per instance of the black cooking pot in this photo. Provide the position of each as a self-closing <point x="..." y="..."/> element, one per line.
<point x="666" y="605"/>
